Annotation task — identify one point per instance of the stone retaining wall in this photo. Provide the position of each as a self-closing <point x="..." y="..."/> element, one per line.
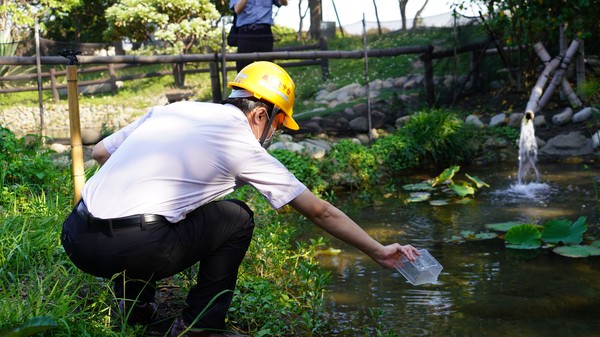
<point x="26" y="120"/>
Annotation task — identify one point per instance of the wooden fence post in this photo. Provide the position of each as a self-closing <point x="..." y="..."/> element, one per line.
<point x="324" y="61"/>
<point x="179" y="74"/>
<point x="215" y="82"/>
<point x="53" y="85"/>
<point x="113" y="78"/>
<point x="428" y="67"/>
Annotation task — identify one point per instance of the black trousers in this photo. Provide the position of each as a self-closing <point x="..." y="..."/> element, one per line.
<point x="216" y="235"/>
<point x="253" y="40"/>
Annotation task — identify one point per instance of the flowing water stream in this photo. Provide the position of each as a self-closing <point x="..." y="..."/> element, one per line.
<point x="484" y="289"/>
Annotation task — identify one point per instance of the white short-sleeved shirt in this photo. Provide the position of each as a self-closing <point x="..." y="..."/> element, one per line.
<point x="180" y="156"/>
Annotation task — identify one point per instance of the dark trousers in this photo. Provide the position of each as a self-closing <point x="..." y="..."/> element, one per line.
<point x="253" y="40"/>
<point x="216" y="235"/>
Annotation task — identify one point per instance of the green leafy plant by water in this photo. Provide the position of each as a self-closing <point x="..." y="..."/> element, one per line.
<point x="422" y="191"/>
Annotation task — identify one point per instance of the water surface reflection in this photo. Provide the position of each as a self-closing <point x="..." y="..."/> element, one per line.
<point x="484" y="288"/>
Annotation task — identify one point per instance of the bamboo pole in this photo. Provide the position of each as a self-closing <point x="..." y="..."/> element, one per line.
<point x="367" y="79"/>
<point x="39" y="78"/>
<point x="565" y="86"/>
<point x="76" y="144"/>
<point x="559" y="74"/>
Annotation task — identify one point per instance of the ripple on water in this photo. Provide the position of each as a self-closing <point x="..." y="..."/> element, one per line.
<point x="531" y="192"/>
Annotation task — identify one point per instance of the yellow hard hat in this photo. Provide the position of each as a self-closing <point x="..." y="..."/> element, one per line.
<point x="269" y="82"/>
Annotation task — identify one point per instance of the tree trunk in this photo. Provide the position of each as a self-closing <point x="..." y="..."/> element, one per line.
<point x="316" y="17"/>
<point x="377" y="17"/>
<point x="418" y="15"/>
<point x="402" y="4"/>
<point x="302" y="16"/>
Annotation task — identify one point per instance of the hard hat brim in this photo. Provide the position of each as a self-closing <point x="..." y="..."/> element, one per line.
<point x="290" y="123"/>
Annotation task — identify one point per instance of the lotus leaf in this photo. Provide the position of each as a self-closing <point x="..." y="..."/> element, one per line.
<point x="424" y="186"/>
<point x="564" y="231"/>
<point x="502" y="227"/>
<point x="478" y="182"/>
<point x="577" y="251"/>
<point x="446" y="175"/>
<point x="523" y="237"/>
<point x="418" y="196"/>
<point x="462" y="188"/>
<point x="439" y="202"/>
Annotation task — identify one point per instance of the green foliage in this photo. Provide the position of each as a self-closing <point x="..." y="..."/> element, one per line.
<point x="509" y="133"/>
<point x="278" y="280"/>
<point x="589" y="90"/>
<point x="423" y="191"/>
<point x="306" y="171"/>
<point x="25" y="161"/>
<point x="353" y="165"/>
<point x="31" y="327"/>
<point x="17" y="16"/>
<point x="85" y="22"/>
<point x="440" y="138"/>
<point x="183" y="24"/>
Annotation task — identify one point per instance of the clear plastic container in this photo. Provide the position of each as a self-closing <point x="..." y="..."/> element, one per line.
<point x="425" y="269"/>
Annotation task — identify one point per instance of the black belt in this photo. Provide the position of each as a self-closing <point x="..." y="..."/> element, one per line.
<point x="139" y="220"/>
<point x="254" y="26"/>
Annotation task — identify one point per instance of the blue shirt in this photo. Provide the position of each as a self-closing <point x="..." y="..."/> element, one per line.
<point x="256" y="11"/>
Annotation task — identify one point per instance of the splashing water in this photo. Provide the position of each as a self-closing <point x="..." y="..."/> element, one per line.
<point x="527" y="151"/>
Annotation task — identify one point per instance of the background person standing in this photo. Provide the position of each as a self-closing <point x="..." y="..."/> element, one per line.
<point x="254" y="21"/>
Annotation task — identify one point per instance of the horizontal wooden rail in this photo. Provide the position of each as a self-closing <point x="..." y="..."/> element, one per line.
<point x="190" y="58"/>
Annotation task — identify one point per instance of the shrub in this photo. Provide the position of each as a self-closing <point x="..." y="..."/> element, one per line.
<point x="440" y="138"/>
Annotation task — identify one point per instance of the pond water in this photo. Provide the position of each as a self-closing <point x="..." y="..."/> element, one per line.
<point x="484" y="289"/>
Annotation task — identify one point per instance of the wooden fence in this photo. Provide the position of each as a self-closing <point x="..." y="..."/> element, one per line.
<point x="298" y="56"/>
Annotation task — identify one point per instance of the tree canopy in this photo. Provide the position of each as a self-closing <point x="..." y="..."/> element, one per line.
<point x="183" y="24"/>
<point x="17" y="17"/>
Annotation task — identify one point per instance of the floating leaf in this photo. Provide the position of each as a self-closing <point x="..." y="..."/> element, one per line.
<point x="31" y="327"/>
<point x="464" y="201"/>
<point x="478" y="182"/>
<point x="523" y="237"/>
<point x="462" y="188"/>
<point x="596" y="243"/>
<point x="418" y="196"/>
<point x="467" y="233"/>
<point x="564" y="231"/>
<point x="439" y="202"/>
<point x="446" y="175"/>
<point x="418" y="187"/>
<point x="472" y="236"/>
<point x="455" y="239"/>
<point x="577" y="251"/>
<point x="485" y="236"/>
<point x="329" y="251"/>
<point x="502" y="227"/>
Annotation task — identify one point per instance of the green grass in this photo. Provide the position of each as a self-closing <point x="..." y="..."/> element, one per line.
<point x="281" y="285"/>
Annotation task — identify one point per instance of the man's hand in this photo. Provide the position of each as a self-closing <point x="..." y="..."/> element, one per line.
<point x="388" y="256"/>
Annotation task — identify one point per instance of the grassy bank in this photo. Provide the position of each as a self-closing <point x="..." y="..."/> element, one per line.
<point x="281" y="286"/>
